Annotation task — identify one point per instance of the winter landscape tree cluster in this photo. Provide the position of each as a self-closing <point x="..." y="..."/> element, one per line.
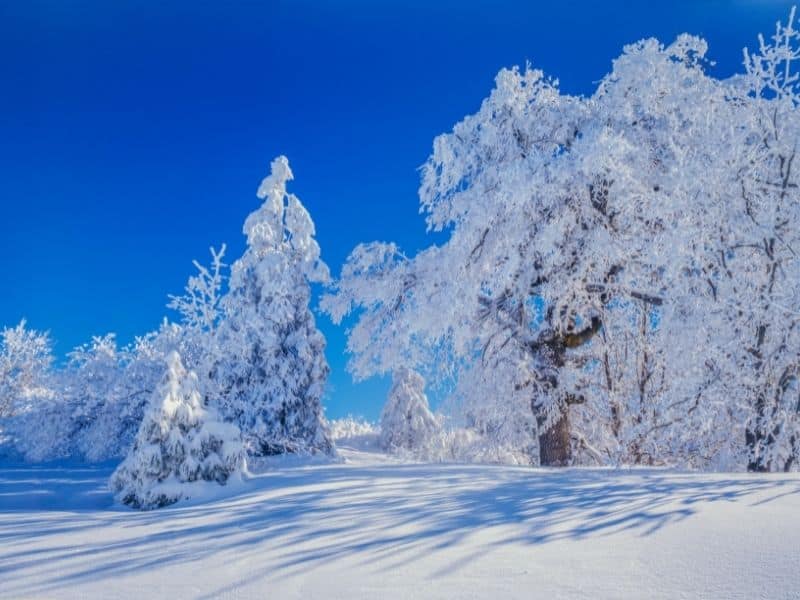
<point x="620" y="278"/>
<point x="619" y="283"/>
<point x="243" y="368"/>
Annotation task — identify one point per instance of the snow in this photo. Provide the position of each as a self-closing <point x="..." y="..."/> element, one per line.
<point x="374" y="527"/>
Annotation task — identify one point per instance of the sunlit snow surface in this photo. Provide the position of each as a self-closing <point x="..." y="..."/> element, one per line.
<point x="372" y="527"/>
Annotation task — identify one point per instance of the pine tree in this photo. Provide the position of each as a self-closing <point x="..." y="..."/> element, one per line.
<point x="180" y="444"/>
<point x="271" y="371"/>
<point x="406" y="421"/>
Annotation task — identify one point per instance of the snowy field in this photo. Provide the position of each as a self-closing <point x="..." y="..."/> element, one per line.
<point x="371" y="527"/>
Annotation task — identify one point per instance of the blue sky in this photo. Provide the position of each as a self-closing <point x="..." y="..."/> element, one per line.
<point x="133" y="135"/>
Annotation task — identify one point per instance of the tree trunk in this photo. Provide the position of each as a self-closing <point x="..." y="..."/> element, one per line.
<point x="555" y="446"/>
<point x="756" y="463"/>
<point x="758" y="439"/>
<point x="555" y="449"/>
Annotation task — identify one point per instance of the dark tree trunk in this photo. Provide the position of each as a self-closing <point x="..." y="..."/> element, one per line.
<point x="753" y="439"/>
<point x="555" y="449"/>
<point x="555" y="446"/>
<point x="755" y="436"/>
<point x="758" y="439"/>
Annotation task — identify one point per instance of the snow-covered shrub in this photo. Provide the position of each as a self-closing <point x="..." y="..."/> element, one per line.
<point x="351" y="427"/>
<point x="43" y="430"/>
<point x="407" y="422"/>
<point x="100" y="401"/>
<point x="271" y="370"/>
<point x="355" y="433"/>
<point x="199" y="306"/>
<point x="466" y="445"/>
<point x="98" y="395"/>
<point x="180" y="445"/>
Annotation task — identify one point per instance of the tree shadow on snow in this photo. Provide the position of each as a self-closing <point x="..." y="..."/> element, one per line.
<point x="58" y="526"/>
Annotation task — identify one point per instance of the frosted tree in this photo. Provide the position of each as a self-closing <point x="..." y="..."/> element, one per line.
<point x="490" y="402"/>
<point x="406" y="420"/>
<point x="573" y="225"/>
<point x="29" y="389"/>
<point x="97" y="401"/>
<point x="43" y="431"/>
<point x="25" y="366"/>
<point x="271" y="372"/>
<point x="200" y="310"/>
<point x="644" y="375"/>
<point x="199" y="306"/>
<point x="506" y="247"/>
<point x="618" y="282"/>
<point x="762" y="265"/>
<point x="256" y="348"/>
<point x="96" y="397"/>
<point x="140" y="366"/>
<point x="103" y="391"/>
<point x="180" y="445"/>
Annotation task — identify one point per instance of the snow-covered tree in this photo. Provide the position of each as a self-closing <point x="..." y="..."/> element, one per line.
<point x="644" y="377"/>
<point x="271" y="372"/>
<point x="618" y="282"/>
<point x="489" y="401"/>
<point x="407" y="422"/>
<point x="31" y="393"/>
<point x="180" y="445"/>
<point x="201" y="312"/>
<point x="506" y="247"/>
<point x="256" y="349"/>
<point x="26" y="359"/>
<point x="110" y="387"/>
<point x="762" y="262"/>
<point x="199" y="306"/>
<point x="613" y="252"/>
<point x="97" y="400"/>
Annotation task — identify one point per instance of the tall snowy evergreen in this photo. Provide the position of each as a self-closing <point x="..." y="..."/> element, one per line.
<point x="271" y="374"/>
<point x="180" y="445"/>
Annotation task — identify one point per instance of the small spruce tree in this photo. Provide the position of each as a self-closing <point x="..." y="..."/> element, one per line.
<point x="406" y="421"/>
<point x="180" y="445"/>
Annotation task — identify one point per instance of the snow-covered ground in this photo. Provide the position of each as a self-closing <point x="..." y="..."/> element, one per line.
<point x="371" y="527"/>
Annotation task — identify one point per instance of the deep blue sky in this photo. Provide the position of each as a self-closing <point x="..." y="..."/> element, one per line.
<point x="133" y="135"/>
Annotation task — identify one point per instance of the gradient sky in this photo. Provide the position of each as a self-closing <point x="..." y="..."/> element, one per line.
<point x="133" y="135"/>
